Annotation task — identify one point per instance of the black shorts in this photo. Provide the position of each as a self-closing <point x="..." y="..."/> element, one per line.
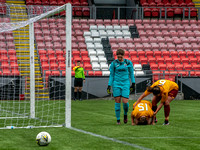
<point x="78" y="82"/>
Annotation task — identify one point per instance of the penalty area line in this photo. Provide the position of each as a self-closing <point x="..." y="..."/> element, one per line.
<point x="178" y="137"/>
<point x="110" y="139"/>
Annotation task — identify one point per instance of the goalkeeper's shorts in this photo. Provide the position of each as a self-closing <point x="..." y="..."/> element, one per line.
<point x="121" y="91"/>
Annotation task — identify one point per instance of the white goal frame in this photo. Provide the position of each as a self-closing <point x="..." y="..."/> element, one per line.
<point x="68" y="9"/>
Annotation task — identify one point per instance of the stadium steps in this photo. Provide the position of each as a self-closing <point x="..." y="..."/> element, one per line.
<point x="107" y="50"/>
<point x="196" y="3"/>
<point x="16" y="2"/>
<point x="21" y="40"/>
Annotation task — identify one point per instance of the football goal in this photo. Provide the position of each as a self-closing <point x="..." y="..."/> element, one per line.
<point x="35" y="44"/>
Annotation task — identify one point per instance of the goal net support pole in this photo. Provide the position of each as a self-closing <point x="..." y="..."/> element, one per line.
<point x="32" y="71"/>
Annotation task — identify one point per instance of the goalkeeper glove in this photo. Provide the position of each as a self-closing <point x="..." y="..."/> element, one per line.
<point x="109" y="89"/>
<point x="132" y="88"/>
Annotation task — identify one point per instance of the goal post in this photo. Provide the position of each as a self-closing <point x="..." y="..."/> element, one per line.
<point x="68" y="67"/>
<point x="35" y="45"/>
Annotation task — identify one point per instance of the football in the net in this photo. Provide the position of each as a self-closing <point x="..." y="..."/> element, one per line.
<point x="43" y="138"/>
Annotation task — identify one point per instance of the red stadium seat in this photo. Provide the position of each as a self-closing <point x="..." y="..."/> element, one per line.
<point x="90" y="73"/>
<point x="55" y="73"/>
<point x="87" y="66"/>
<point x="29" y="2"/>
<point x="160" y="60"/>
<point x="53" y="66"/>
<point x="185" y="60"/>
<point x="157" y="54"/>
<point x="6" y="72"/>
<point x="151" y="60"/>
<point x="168" y="60"/>
<point x="149" y="54"/>
<point x="86" y="12"/>
<point x="170" y="67"/>
<point x="162" y="66"/>
<point x="196" y="67"/>
<point x="154" y="66"/>
<point x="97" y="73"/>
<point x="15" y="72"/>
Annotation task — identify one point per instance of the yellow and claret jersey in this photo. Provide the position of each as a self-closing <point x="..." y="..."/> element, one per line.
<point x="144" y="108"/>
<point x="165" y="87"/>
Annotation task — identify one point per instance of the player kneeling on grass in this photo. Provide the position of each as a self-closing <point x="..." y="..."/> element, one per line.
<point x="142" y="113"/>
<point x="164" y="91"/>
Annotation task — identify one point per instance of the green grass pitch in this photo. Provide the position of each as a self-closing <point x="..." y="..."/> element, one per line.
<point x="98" y="116"/>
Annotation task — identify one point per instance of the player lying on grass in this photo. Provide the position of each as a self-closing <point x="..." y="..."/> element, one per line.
<point x="142" y="113"/>
<point x="164" y="91"/>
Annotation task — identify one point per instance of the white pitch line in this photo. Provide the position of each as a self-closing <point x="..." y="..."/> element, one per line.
<point x="178" y="137"/>
<point x="111" y="139"/>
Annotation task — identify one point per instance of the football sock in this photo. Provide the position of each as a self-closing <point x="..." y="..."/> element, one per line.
<point x="80" y="95"/>
<point x="75" y="95"/>
<point x="125" y="106"/>
<point x="166" y="121"/>
<point x="117" y="110"/>
<point x="167" y="110"/>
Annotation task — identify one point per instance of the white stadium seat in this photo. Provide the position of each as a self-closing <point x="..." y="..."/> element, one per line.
<point x="139" y="73"/>
<point x="110" y="33"/>
<point x="93" y="27"/>
<point x="97" y="40"/>
<point x="102" y="33"/>
<point x="137" y="67"/>
<point x="96" y="66"/>
<point x="87" y="34"/>
<point x="98" y="46"/>
<point x="102" y="59"/>
<point x="109" y="27"/>
<point x="90" y="46"/>
<point x="95" y="34"/>
<point x="94" y="59"/>
<point x="104" y="66"/>
<point x="101" y="27"/>
<point x="118" y="33"/>
<point x="105" y="73"/>
<point x="100" y="52"/>
<point x="88" y="40"/>
<point x="92" y="52"/>
<point x="116" y="28"/>
<point x="125" y="28"/>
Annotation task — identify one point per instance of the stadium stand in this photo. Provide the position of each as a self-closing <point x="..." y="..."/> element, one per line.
<point x="8" y="59"/>
<point x="81" y="9"/>
<point x="170" y="46"/>
<point x="152" y="8"/>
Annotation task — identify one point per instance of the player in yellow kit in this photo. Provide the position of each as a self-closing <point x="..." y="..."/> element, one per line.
<point x="164" y="91"/>
<point x="142" y="113"/>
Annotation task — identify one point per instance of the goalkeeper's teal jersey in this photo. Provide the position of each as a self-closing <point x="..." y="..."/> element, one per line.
<point x="120" y="72"/>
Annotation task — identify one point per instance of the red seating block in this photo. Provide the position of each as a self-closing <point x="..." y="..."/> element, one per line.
<point x="90" y="73"/>
<point x="97" y="73"/>
<point x="55" y="73"/>
<point x="88" y="67"/>
<point x="154" y="66"/>
<point x="6" y="72"/>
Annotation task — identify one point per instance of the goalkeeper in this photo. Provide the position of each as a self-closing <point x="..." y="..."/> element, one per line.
<point x="120" y="71"/>
<point x="78" y="82"/>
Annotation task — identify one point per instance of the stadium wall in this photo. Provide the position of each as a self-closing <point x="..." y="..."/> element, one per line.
<point x="95" y="87"/>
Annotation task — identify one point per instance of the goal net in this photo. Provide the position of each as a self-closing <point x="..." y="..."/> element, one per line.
<point x="35" y="46"/>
